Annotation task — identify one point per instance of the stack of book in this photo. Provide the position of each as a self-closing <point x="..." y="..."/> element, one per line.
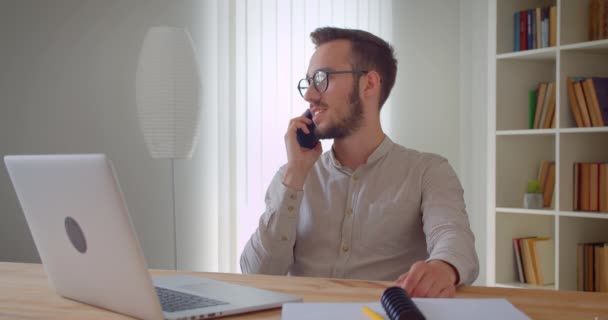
<point x="588" y="100"/>
<point x="535" y="28"/>
<point x="598" y="19"/>
<point x="535" y="260"/>
<point x="592" y="267"/>
<point x="591" y="186"/>
<point x="541" y="107"/>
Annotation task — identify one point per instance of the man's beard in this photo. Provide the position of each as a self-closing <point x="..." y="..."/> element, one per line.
<point x="350" y="123"/>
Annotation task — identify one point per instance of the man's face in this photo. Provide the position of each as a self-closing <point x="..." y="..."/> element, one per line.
<point x="337" y="112"/>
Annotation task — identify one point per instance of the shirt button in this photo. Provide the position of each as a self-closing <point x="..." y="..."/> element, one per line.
<point x="292" y="196"/>
<point x="290" y="208"/>
<point x="344" y="248"/>
<point x="349" y="211"/>
<point x="356" y="177"/>
<point x="283" y="238"/>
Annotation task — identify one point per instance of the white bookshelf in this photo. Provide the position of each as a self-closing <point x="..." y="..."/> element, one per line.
<point x="515" y="152"/>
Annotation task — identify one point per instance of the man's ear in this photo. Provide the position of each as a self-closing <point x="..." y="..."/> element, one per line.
<point x="372" y="84"/>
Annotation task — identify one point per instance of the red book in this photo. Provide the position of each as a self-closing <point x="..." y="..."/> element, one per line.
<point x="523" y="30"/>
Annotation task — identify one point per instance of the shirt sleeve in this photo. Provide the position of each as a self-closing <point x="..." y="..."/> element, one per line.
<point x="446" y="223"/>
<point x="270" y="248"/>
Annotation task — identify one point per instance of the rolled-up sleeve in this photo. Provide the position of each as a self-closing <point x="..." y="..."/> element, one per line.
<point x="446" y="223"/>
<point x="270" y="248"/>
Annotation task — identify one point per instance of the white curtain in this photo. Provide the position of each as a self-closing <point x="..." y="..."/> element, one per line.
<point x="272" y="52"/>
<point x="253" y="53"/>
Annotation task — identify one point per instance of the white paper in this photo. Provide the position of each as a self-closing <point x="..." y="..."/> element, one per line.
<point x="433" y="309"/>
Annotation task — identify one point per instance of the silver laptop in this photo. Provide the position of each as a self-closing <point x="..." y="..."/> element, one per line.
<point x="79" y="221"/>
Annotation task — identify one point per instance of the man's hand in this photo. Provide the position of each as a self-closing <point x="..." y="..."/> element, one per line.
<point x="299" y="160"/>
<point x="432" y="279"/>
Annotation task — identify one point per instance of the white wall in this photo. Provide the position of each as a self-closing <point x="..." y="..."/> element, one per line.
<point x="473" y="118"/>
<point x="439" y="102"/>
<point x="426" y="95"/>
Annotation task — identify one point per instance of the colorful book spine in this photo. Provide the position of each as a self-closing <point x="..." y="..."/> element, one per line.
<point x="516" y="25"/>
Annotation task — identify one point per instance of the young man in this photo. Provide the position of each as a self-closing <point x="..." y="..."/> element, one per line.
<point x="368" y="208"/>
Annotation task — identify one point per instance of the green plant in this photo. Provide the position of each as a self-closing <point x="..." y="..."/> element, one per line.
<point x="533" y="186"/>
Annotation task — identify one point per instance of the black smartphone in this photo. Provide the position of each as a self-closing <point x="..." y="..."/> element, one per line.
<point x="308" y="140"/>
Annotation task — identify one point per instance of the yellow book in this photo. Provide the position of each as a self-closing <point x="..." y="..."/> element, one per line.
<point x="527" y="260"/>
<point x="544" y="256"/>
<point x="547" y="121"/>
<point x="576" y="112"/>
<point x="542" y="89"/>
<point x="592" y="104"/>
<point x="553" y="26"/>
<point x="582" y="104"/>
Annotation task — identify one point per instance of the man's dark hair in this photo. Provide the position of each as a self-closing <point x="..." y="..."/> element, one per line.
<point x="368" y="52"/>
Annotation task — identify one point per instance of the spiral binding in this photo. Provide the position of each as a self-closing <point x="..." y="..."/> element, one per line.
<point x="399" y="306"/>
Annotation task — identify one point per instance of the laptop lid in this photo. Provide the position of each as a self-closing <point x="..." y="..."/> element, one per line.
<point x="81" y="227"/>
<point x="74" y="209"/>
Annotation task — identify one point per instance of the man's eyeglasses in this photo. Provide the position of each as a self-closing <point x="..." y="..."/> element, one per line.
<point x="320" y="80"/>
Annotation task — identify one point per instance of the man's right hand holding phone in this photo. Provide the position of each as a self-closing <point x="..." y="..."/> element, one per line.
<point x="299" y="159"/>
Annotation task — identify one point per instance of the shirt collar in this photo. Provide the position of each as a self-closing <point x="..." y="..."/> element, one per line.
<point x="382" y="150"/>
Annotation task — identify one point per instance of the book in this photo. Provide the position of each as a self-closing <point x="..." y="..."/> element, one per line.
<point x="603" y="187"/>
<point x="538" y="29"/>
<point x="528" y="263"/>
<point x="552" y="26"/>
<point x="584" y="182"/>
<point x="516" y="25"/>
<point x="592" y="103"/>
<point x="549" y="185"/>
<point x="604" y="275"/>
<point x="534" y="257"/>
<point x="594" y="200"/>
<point x="580" y="269"/>
<point x="546" y="102"/>
<point x="600" y="86"/>
<point x="576" y="112"/>
<point x="576" y="187"/>
<point x="599" y="266"/>
<point x="589" y="266"/>
<point x="593" y="20"/>
<point x="518" y="262"/>
<point x="540" y="100"/>
<point x="523" y="30"/>
<point x="544" y="249"/>
<point x="532" y="96"/>
<point x="530" y="44"/>
<point x="604" y="19"/>
<point x="580" y="97"/>
<point x="550" y="112"/>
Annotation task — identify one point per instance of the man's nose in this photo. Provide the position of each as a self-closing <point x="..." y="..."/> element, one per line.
<point x="312" y="95"/>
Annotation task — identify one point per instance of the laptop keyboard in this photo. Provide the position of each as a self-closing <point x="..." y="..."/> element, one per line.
<point x="173" y="301"/>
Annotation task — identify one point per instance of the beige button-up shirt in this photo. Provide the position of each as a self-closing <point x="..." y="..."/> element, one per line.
<point x="402" y="206"/>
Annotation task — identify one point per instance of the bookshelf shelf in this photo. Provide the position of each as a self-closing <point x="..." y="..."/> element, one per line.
<point x="597" y="46"/>
<point x="526" y="211"/>
<point x="515" y="152"/>
<point x="548" y="54"/>
<point x="581" y="214"/>
<point x="583" y="130"/>
<point x="525" y="132"/>
<point x="517" y="285"/>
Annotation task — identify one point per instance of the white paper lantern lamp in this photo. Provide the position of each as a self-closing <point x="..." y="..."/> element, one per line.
<point x="168" y="93"/>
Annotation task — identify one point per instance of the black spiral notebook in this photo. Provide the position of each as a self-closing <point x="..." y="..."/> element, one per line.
<point x="395" y="304"/>
<point x="398" y="305"/>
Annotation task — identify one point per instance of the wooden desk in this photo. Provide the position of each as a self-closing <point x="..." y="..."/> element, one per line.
<point x="25" y="294"/>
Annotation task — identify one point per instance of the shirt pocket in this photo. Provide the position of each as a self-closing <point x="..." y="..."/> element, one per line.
<point x="391" y="228"/>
